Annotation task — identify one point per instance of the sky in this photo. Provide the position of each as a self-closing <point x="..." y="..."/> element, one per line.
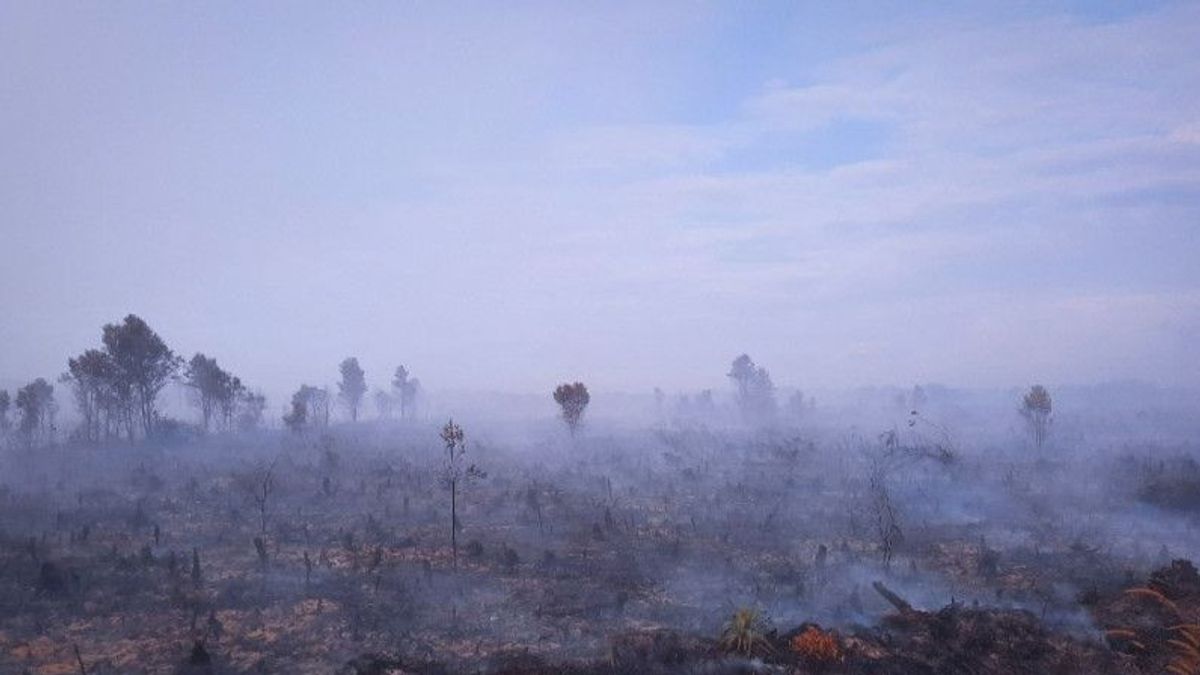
<point x="503" y="196"/>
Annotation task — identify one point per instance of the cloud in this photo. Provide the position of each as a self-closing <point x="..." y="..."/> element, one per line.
<point x="1016" y="150"/>
<point x="579" y="190"/>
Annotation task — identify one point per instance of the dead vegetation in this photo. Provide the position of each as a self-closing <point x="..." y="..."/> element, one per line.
<point x="629" y="553"/>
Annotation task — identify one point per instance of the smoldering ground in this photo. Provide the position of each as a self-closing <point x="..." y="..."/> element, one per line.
<point x="669" y="522"/>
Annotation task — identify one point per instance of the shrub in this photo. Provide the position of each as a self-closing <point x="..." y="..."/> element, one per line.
<point x="746" y="632"/>
<point x="817" y="645"/>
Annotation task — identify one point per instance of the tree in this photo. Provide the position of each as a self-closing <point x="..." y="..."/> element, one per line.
<point x="310" y="408"/>
<point x="353" y="385"/>
<point x="573" y="399"/>
<point x="297" y="418"/>
<point x="319" y="403"/>
<point x="216" y="390"/>
<point x="104" y="395"/>
<point x="455" y="473"/>
<point x="754" y="390"/>
<point x="92" y="377"/>
<point x="203" y="375"/>
<point x="1036" y="407"/>
<point x="143" y="366"/>
<point x="887" y="520"/>
<point x="232" y="396"/>
<point x="260" y="485"/>
<point x="35" y="402"/>
<point x="384" y="404"/>
<point x="250" y="410"/>
<point x="405" y="389"/>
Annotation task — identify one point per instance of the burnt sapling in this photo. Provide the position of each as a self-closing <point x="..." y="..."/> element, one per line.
<point x="455" y="473"/>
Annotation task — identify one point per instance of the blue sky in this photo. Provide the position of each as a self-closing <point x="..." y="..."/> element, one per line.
<point x="502" y="196"/>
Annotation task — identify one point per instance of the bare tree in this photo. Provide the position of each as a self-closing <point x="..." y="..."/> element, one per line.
<point x="455" y="473"/>
<point x="261" y="485"/>
<point x="353" y="385"/>
<point x="887" y="521"/>
<point x="1036" y="407"/>
<point x="573" y="399"/>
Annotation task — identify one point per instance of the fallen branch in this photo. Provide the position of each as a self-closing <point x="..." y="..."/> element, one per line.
<point x="898" y="602"/>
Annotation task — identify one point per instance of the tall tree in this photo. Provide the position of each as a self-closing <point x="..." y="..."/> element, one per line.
<point x="310" y="409"/>
<point x="233" y="395"/>
<point x="455" y="474"/>
<point x="754" y="390"/>
<point x="405" y="389"/>
<point x="297" y="417"/>
<point x="573" y="399"/>
<point x="216" y="390"/>
<point x="353" y="385"/>
<point x="144" y="365"/>
<point x="1036" y="407"/>
<point x="92" y="377"/>
<point x="35" y="402"/>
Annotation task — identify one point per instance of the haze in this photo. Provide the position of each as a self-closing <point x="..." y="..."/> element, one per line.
<point x="623" y="193"/>
<point x="601" y="338"/>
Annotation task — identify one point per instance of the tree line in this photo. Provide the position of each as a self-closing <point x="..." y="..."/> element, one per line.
<point x="116" y="388"/>
<point x="311" y="406"/>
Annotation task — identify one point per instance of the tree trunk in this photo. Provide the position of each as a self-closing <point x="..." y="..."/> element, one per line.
<point x="454" y="523"/>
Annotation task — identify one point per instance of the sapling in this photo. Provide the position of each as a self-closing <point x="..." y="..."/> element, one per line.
<point x="456" y="472"/>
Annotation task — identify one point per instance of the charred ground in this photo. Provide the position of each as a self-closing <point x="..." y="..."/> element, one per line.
<point x="618" y="550"/>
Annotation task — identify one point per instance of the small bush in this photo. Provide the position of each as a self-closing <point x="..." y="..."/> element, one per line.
<point x="816" y="645"/>
<point x="746" y="633"/>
